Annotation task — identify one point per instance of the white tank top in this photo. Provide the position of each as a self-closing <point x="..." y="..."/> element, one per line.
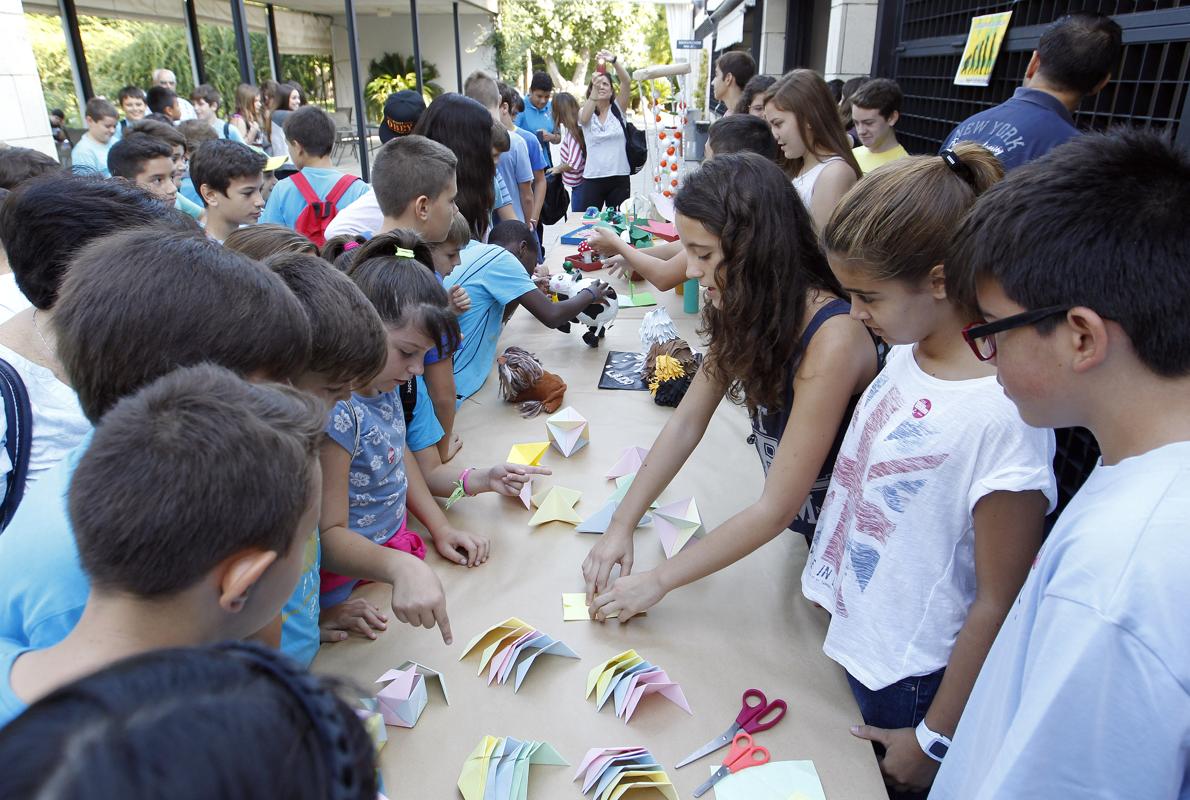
<point x="804" y="183"/>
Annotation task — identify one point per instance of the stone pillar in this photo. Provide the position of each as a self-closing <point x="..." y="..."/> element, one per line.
<point x="25" y="121"/>
<point x="851" y="38"/>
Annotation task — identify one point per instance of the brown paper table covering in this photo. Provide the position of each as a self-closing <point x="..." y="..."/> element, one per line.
<point x="746" y="626"/>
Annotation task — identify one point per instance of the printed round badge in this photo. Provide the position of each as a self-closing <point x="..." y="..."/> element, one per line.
<point x="922" y="407"/>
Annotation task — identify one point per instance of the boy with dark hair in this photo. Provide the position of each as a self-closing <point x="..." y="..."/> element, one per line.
<point x="90" y="154"/>
<point x="131" y="100"/>
<point x="1074" y="59"/>
<point x="740" y="133"/>
<point x="538" y="114"/>
<point x="206" y="101"/>
<point x="126" y="294"/>
<point x="20" y="164"/>
<point x="165" y="102"/>
<point x="317" y="186"/>
<point x="178" y="144"/>
<point x="1078" y="262"/>
<point x="189" y="510"/>
<point x="195" y="134"/>
<point x="147" y="162"/>
<point x="733" y="70"/>
<point x="228" y="176"/>
<point x="348" y="347"/>
<point x="875" y="110"/>
<point x="509" y="100"/>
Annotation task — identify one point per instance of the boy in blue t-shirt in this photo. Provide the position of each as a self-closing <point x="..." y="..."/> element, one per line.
<point x="537" y="116"/>
<point x="214" y="510"/>
<point x="89" y="156"/>
<point x="347" y="349"/>
<point x="128" y="295"/>
<point x="310" y="133"/>
<point x="509" y="101"/>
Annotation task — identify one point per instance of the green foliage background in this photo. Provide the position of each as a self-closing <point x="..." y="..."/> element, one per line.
<point x="122" y="52"/>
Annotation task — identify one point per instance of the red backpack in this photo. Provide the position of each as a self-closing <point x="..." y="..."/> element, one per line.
<point x="318" y="213"/>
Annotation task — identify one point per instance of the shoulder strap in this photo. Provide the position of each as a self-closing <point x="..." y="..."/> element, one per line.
<point x="834" y="308"/>
<point x="18" y="440"/>
<point x="303" y="186"/>
<point x="616" y="110"/>
<point x="340" y="188"/>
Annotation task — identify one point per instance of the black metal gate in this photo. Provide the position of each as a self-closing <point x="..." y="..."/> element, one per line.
<point x="919" y="43"/>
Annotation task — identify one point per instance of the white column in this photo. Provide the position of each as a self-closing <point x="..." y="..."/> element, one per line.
<point x="25" y="121"/>
<point x="772" y="43"/>
<point x="851" y="39"/>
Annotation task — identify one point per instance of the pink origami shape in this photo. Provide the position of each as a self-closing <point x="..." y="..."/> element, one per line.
<point x="403" y="700"/>
<point x="656" y="682"/>
<point x="630" y="461"/>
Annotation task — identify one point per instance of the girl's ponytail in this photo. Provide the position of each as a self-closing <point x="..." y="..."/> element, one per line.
<point x="899" y="220"/>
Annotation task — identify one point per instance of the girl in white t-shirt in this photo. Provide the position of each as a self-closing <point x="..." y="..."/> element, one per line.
<point x="935" y="509"/>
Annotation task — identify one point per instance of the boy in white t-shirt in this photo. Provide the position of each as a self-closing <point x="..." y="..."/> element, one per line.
<point x="1079" y="264"/>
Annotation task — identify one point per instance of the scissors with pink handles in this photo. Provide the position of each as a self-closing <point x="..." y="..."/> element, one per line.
<point x="756" y="714"/>
<point x="743" y="754"/>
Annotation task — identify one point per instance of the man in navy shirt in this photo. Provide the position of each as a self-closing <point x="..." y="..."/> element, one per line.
<point x="1074" y="59"/>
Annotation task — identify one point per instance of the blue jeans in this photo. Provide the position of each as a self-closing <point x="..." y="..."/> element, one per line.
<point x="901" y="705"/>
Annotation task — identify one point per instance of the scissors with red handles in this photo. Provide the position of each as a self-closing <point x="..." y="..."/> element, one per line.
<point x="743" y="754"/>
<point x="756" y="714"/>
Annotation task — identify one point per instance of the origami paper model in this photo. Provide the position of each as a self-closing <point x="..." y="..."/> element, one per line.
<point x="529" y="454"/>
<point x="403" y="700"/>
<point x="498" y="768"/>
<point x="636" y="299"/>
<point x="526" y="494"/>
<point x="629" y="462"/>
<point x="556" y="504"/>
<point x="601" y="519"/>
<point x="513" y="643"/>
<point x="677" y="523"/>
<point x="629" y="679"/>
<point x="617" y="772"/>
<point x="568" y="431"/>
<point x="776" y="780"/>
<point x="431" y="677"/>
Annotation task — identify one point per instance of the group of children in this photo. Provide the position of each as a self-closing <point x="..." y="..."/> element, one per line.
<point x="227" y="450"/>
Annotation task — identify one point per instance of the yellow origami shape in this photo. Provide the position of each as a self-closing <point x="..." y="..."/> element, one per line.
<point x="609" y="666"/>
<point x="528" y="454"/>
<point x="556" y="505"/>
<point x="568" y="430"/>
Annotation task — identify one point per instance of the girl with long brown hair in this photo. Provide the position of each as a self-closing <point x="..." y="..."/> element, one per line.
<point x="573" y="149"/>
<point x="809" y="131"/>
<point x="274" y="108"/>
<point x="246" y="118"/>
<point x="781" y="344"/>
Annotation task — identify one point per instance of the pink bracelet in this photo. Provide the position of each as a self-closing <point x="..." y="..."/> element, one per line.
<point x="463" y="480"/>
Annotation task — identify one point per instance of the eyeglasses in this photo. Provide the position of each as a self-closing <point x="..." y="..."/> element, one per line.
<point x="981" y="336"/>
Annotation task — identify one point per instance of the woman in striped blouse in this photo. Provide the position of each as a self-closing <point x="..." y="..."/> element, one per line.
<point x="573" y="150"/>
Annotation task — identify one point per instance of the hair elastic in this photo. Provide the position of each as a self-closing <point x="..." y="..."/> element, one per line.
<point x="350" y="245"/>
<point x="958" y="166"/>
<point x="403" y="252"/>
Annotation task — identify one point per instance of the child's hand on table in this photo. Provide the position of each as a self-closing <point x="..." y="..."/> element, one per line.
<point x="509" y="479"/>
<point x="351" y="616"/>
<point x="605" y="241"/>
<point x="614" y="547"/>
<point x="461" y="547"/>
<point x="418" y="597"/>
<point x="629" y="595"/>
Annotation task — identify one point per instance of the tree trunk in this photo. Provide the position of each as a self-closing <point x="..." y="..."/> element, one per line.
<point x="580" y="71"/>
<point x="551" y="66"/>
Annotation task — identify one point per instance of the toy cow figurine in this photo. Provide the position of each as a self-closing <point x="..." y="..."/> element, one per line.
<point x="596" y="316"/>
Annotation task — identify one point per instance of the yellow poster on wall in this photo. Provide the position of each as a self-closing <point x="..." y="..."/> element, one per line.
<point x="983" y="46"/>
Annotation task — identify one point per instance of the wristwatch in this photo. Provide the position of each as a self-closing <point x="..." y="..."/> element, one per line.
<point x="934" y="745"/>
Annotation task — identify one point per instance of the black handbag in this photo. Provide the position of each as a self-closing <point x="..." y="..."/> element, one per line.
<point x="557" y="201"/>
<point x="635" y="145"/>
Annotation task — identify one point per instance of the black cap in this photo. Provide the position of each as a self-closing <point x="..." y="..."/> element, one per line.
<point x="401" y="112"/>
